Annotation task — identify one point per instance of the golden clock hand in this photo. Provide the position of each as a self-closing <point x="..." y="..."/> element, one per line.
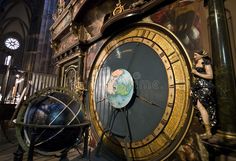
<point x="147" y="101"/>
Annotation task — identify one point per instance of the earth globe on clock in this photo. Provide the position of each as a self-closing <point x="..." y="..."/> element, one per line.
<point x="120" y="88"/>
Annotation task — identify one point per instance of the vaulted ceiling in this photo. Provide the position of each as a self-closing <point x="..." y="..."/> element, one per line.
<point x="15" y="19"/>
<point x="20" y="20"/>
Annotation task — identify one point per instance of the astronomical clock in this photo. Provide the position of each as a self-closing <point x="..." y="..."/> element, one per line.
<point x="135" y="76"/>
<point x="139" y="92"/>
<point x="132" y="76"/>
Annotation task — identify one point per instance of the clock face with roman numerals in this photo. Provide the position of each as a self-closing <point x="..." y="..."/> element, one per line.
<point x="154" y="109"/>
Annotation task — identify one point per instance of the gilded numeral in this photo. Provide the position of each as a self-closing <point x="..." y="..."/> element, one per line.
<point x="171" y="54"/>
<point x="163" y="122"/>
<point x="166" y="136"/>
<point x="180" y="83"/>
<point x="174" y="61"/>
<point x="151" y="35"/>
<point x="162" y="54"/>
<point x="173" y="58"/>
<point x="170" y="104"/>
<point x="169" y="68"/>
<point x="146" y="33"/>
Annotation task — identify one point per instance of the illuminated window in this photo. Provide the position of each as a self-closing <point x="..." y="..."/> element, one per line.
<point x="12" y="43"/>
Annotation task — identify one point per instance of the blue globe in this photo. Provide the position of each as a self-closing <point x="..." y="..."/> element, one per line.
<point x="50" y="109"/>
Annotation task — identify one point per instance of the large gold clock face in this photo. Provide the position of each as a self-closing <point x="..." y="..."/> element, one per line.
<point x="139" y="90"/>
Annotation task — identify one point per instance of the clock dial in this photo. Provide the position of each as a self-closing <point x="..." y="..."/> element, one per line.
<point x="157" y="115"/>
<point x="12" y="43"/>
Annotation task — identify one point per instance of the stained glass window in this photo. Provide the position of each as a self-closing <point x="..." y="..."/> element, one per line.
<point x="12" y="43"/>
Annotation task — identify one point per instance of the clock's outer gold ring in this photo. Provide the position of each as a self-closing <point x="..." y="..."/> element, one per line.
<point x="178" y="114"/>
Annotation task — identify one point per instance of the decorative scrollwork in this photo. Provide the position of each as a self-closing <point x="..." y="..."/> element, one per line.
<point x="80" y="31"/>
<point x="119" y="8"/>
<point x="138" y="3"/>
<point x="61" y="6"/>
<point x="54" y="45"/>
<point x="74" y="28"/>
<point x="80" y="86"/>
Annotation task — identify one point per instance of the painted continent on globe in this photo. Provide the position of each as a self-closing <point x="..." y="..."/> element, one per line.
<point x="120" y="88"/>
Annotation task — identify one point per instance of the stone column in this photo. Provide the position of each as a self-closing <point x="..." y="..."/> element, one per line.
<point x="81" y="66"/>
<point x="223" y="72"/>
<point x="6" y="78"/>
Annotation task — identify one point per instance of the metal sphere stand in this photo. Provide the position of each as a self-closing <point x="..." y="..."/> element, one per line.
<point x="18" y="155"/>
<point x="127" y="138"/>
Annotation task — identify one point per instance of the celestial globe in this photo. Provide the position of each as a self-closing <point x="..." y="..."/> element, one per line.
<point x="50" y="118"/>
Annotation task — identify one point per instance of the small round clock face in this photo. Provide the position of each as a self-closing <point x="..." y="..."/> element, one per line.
<point x="157" y="115"/>
<point x="12" y="43"/>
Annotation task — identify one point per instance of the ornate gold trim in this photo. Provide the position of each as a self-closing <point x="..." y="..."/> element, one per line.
<point x="227" y="135"/>
<point x="119" y="8"/>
